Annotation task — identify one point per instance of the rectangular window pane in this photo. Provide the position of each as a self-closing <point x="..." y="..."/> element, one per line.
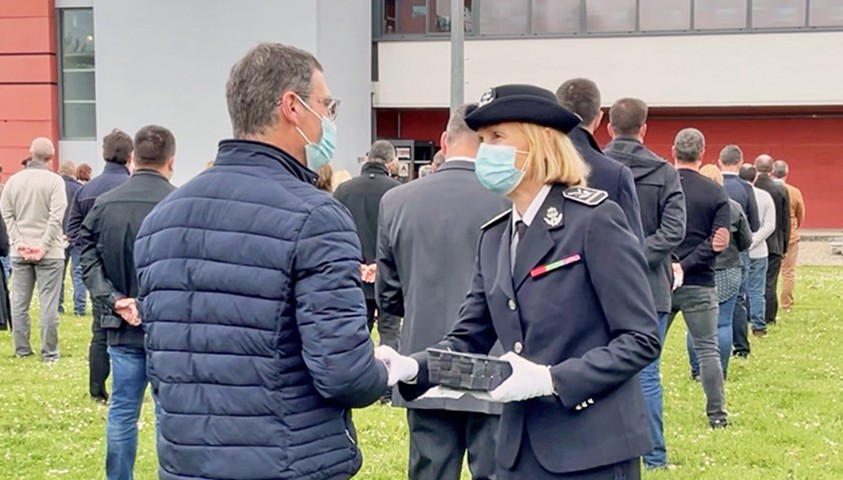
<point x="778" y="13"/>
<point x="659" y="15"/>
<point x="719" y="14"/>
<point x="77" y="85"/>
<point x="77" y="38"/>
<point x="556" y="16"/>
<point x="404" y="16"/>
<point x="503" y="16"/>
<point x="440" y="16"/>
<point x="826" y="13"/>
<point x="79" y="120"/>
<point x="610" y="15"/>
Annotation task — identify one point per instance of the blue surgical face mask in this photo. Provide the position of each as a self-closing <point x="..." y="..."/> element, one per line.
<point x="495" y="168"/>
<point x="319" y="154"/>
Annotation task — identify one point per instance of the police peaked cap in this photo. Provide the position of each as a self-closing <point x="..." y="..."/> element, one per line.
<point x="521" y="103"/>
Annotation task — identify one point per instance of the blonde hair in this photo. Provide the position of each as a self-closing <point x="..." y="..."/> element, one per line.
<point x="712" y="173"/>
<point x="553" y="158"/>
<point x="339" y="177"/>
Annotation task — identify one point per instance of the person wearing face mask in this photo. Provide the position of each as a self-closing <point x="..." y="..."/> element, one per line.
<point x="107" y="237"/>
<point x="250" y="293"/>
<point x="560" y="281"/>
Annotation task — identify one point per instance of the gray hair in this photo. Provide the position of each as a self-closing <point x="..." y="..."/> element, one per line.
<point x="258" y="81"/>
<point x="382" y="152"/>
<point x="457" y="127"/>
<point x="780" y="169"/>
<point x="731" y="155"/>
<point x="764" y="164"/>
<point x="42" y="149"/>
<point x="67" y="169"/>
<point x="688" y="145"/>
<point x="581" y="96"/>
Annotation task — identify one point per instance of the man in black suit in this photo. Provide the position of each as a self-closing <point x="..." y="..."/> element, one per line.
<point x="778" y="241"/>
<point x="424" y="270"/>
<point x="581" y="96"/>
<point x="362" y="197"/>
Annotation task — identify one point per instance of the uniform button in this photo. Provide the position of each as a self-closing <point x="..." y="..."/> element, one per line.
<point x="518" y="347"/>
<point x="511" y="304"/>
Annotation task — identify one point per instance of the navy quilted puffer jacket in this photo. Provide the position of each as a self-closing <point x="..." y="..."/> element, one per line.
<point x="256" y="324"/>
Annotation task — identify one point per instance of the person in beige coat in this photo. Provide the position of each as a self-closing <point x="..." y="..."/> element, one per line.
<point x="33" y="204"/>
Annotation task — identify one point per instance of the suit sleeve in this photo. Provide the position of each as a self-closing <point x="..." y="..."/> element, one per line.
<point x="331" y="311"/>
<point x="628" y="200"/>
<point x="93" y="269"/>
<point x="704" y="253"/>
<point x="785" y="220"/>
<point x="75" y="218"/>
<point x="752" y="210"/>
<point x="616" y="268"/>
<point x="473" y="333"/>
<point x="742" y="235"/>
<point x="800" y="211"/>
<point x="388" y="291"/>
<point x="768" y="224"/>
<point x="671" y="229"/>
<point x="58" y="204"/>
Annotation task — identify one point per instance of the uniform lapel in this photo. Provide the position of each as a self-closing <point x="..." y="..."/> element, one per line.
<point x="504" y="277"/>
<point x="538" y="242"/>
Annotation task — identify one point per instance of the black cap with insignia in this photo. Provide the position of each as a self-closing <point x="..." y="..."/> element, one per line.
<point x="521" y="103"/>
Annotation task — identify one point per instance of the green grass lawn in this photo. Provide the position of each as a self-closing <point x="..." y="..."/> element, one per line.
<point x="785" y="404"/>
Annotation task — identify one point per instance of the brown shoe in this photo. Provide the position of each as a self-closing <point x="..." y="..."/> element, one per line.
<point x="758" y="333"/>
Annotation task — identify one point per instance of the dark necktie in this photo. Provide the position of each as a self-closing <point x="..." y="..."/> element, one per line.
<point x="521" y="229"/>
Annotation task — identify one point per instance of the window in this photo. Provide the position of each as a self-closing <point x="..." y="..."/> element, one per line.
<point x="440" y="16"/>
<point x="826" y="13"/>
<point x="660" y="15"/>
<point x="556" y="16"/>
<point x="404" y="17"/>
<point x="610" y="15"/>
<point x="504" y="16"/>
<point x="719" y="14"/>
<point x="778" y="13"/>
<point x="78" y="96"/>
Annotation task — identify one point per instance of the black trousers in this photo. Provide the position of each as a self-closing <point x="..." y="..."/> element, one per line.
<point x="440" y="438"/>
<point x="527" y="467"/>
<point x="389" y="326"/>
<point x="99" y="363"/>
<point x="771" y="295"/>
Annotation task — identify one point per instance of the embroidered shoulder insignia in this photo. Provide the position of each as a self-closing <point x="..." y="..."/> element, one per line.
<point x="586" y="196"/>
<point x="497" y="219"/>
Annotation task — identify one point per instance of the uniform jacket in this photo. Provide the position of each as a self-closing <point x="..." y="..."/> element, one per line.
<point x="592" y="321"/>
<point x="112" y="176"/>
<point x="611" y="176"/>
<point x="425" y="261"/>
<point x="362" y="196"/>
<point x="777" y="242"/>
<point x="662" y="204"/>
<point x="108" y="237"/>
<point x="257" y="344"/>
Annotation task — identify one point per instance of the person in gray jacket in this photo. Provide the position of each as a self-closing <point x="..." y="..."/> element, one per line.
<point x="425" y="266"/>
<point x="662" y="204"/>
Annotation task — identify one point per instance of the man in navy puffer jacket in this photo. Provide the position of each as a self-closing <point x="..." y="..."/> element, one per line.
<point x="251" y="297"/>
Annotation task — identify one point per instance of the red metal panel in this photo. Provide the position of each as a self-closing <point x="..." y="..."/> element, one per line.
<point x="28" y="68"/>
<point x="15" y="133"/>
<point x="26" y="8"/>
<point x="27" y="35"/>
<point x="27" y="102"/>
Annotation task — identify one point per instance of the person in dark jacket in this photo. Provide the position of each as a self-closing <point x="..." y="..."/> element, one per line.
<point x="695" y="295"/>
<point x="117" y="150"/>
<point x="727" y="278"/>
<point x="578" y="323"/>
<point x="414" y="249"/>
<point x="739" y="190"/>
<point x="778" y="242"/>
<point x="663" y="220"/>
<point x="362" y="197"/>
<point x="71" y="254"/>
<point x="5" y="304"/>
<point x="581" y="96"/>
<point x="107" y="237"/>
<point x="249" y="291"/>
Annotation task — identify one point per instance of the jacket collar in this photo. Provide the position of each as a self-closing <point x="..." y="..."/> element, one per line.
<point x="537" y="241"/>
<point x="456" y="165"/>
<point x="374" y="168"/>
<point x="37" y="165"/>
<point x="250" y="153"/>
<point x="151" y="174"/>
<point x="111" y="167"/>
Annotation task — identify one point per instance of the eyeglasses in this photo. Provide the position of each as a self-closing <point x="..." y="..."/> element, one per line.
<point x="332" y="105"/>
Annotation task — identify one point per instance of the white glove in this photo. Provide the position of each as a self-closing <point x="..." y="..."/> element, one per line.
<point x="401" y="368"/>
<point x="528" y="380"/>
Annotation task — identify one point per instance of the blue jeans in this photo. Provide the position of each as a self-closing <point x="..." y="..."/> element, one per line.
<point x="755" y="290"/>
<point x="651" y="387"/>
<point x="128" y="377"/>
<point x="7" y="266"/>
<point x="724" y="337"/>
<point x="740" y="319"/>
<point x="72" y="254"/>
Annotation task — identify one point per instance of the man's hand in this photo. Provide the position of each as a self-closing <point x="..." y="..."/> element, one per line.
<point x="678" y="276"/>
<point x="127" y="308"/>
<point x="720" y="241"/>
<point x="23" y="250"/>
<point x="368" y="272"/>
<point x="36" y="254"/>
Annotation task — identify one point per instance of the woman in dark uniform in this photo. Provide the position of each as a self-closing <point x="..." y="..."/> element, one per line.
<point x="560" y="282"/>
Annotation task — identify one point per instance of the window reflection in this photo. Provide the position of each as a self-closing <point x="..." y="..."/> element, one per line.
<point x="826" y="13"/>
<point x="440" y="16"/>
<point x="503" y="16"/>
<point x="610" y="15"/>
<point x="556" y="16"/>
<point x="778" y="13"/>
<point x="658" y="15"/>
<point x="719" y="14"/>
